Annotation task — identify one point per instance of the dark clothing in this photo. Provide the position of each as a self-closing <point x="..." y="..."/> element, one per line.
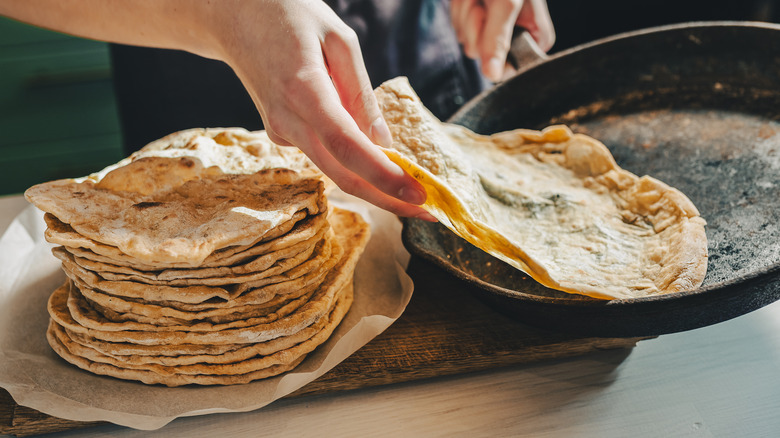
<point x="414" y="38"/>
<point x="162" y="91"/>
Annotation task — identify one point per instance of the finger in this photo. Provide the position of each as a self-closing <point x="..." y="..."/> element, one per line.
<point x="348" y="72"/>
<point x="351" y="183"/>
<point x="497" y="36"/>
<point x="458" y="13"/>
<point x="347" y="180"/>
<point x="454" y="8"/>
<point x="315" y="101"/>
<point x="293" y="130"/>
<point x="473" y="27"/>
<point x="285" y="127"/>
<point x="306" y="101"/>
<point x="535" y="17"/>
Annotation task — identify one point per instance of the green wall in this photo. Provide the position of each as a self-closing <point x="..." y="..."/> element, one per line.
<point x="58" y="114"/>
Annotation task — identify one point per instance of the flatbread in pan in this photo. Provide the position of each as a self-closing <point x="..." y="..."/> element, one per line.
<point x="553" y="204"/>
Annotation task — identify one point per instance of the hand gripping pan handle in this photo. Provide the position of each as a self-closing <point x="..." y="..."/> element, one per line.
<point x="524" y="52"/>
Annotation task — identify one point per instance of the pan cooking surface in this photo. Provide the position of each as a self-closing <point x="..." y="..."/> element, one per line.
<point x="728" y="164"/>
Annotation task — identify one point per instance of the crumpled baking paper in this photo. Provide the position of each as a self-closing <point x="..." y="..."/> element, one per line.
<point x="37" y="378"/>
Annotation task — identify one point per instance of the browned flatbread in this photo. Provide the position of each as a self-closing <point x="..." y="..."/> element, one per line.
<point x="256" y="296"/>
<point x="553" y="204"/>
<point x="123" y="309"/>
<point x="233" y="150"/>
<point x="205" y="373"/>
<point x="299" y="228"/>
<point x="283" y="321"/>
<point x="190" y="354"/>
<point x="194" y="291"/>
<point x="353" y="232"/>
<point x="151" y="378"/>
<point x="130" y="349"/>
<point x="223" y="318"/>
<point x="246" y="295"/>
<point x="184" y="223"/>
<point x="193" y="353"/>
<point x="256" y="269"/>
<point x="276" y="351"/>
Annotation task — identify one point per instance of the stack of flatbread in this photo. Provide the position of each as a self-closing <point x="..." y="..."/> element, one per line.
<point x="209" y="257"/>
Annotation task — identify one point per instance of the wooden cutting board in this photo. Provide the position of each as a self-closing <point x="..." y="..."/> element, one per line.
<point x="444" y="331"/>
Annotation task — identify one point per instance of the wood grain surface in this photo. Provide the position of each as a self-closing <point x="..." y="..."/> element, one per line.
<point x="444" y="331"/>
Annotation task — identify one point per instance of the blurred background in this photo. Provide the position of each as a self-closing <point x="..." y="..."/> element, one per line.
<point x="64" y="100"/>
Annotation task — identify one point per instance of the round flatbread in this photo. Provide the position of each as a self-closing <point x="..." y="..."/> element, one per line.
<point x="149" y="215"/>
<point x="218" y="372"/>
<point x="299" y="228"/>
<point x="350" y="229"/>
<point x="553" y="204"/>
<point x="258" y="268"/>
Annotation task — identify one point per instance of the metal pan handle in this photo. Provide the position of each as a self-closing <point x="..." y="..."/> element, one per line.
<point x="524" y="52"/>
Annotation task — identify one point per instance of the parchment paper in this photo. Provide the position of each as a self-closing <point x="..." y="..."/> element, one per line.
<point x="37" y="378"/>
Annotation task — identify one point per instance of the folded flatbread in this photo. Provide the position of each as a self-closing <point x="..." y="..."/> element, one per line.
<point x="553" y="204"/>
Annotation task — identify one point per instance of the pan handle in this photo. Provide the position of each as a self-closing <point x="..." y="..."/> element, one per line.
<point x="524" y="52"/>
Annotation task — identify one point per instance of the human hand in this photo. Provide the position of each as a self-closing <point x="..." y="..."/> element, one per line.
<point x="484" y="28"/>
<point x="303" y="68"/>
<point x="299" y="62"/>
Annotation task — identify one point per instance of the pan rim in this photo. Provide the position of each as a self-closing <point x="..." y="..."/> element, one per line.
<point x="584" y="302"/>
<point x="768" y="272"/>
<point x="690" y="25"/>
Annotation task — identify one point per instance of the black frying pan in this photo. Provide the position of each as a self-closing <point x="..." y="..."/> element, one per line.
<point x="696" y="106"/>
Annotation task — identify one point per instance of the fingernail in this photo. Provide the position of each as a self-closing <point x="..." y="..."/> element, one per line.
<point x="412" y="195"/>
<point x="495" y="69"/>
<point x="380" y="133"/>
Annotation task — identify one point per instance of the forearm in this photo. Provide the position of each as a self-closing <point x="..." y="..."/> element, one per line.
<point x="173" y="24"/>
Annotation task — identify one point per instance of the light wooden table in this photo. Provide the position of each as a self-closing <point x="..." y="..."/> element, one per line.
<point x="720" y="381"/>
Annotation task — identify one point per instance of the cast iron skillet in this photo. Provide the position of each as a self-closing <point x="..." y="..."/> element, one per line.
<point x="696" y="106"/>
